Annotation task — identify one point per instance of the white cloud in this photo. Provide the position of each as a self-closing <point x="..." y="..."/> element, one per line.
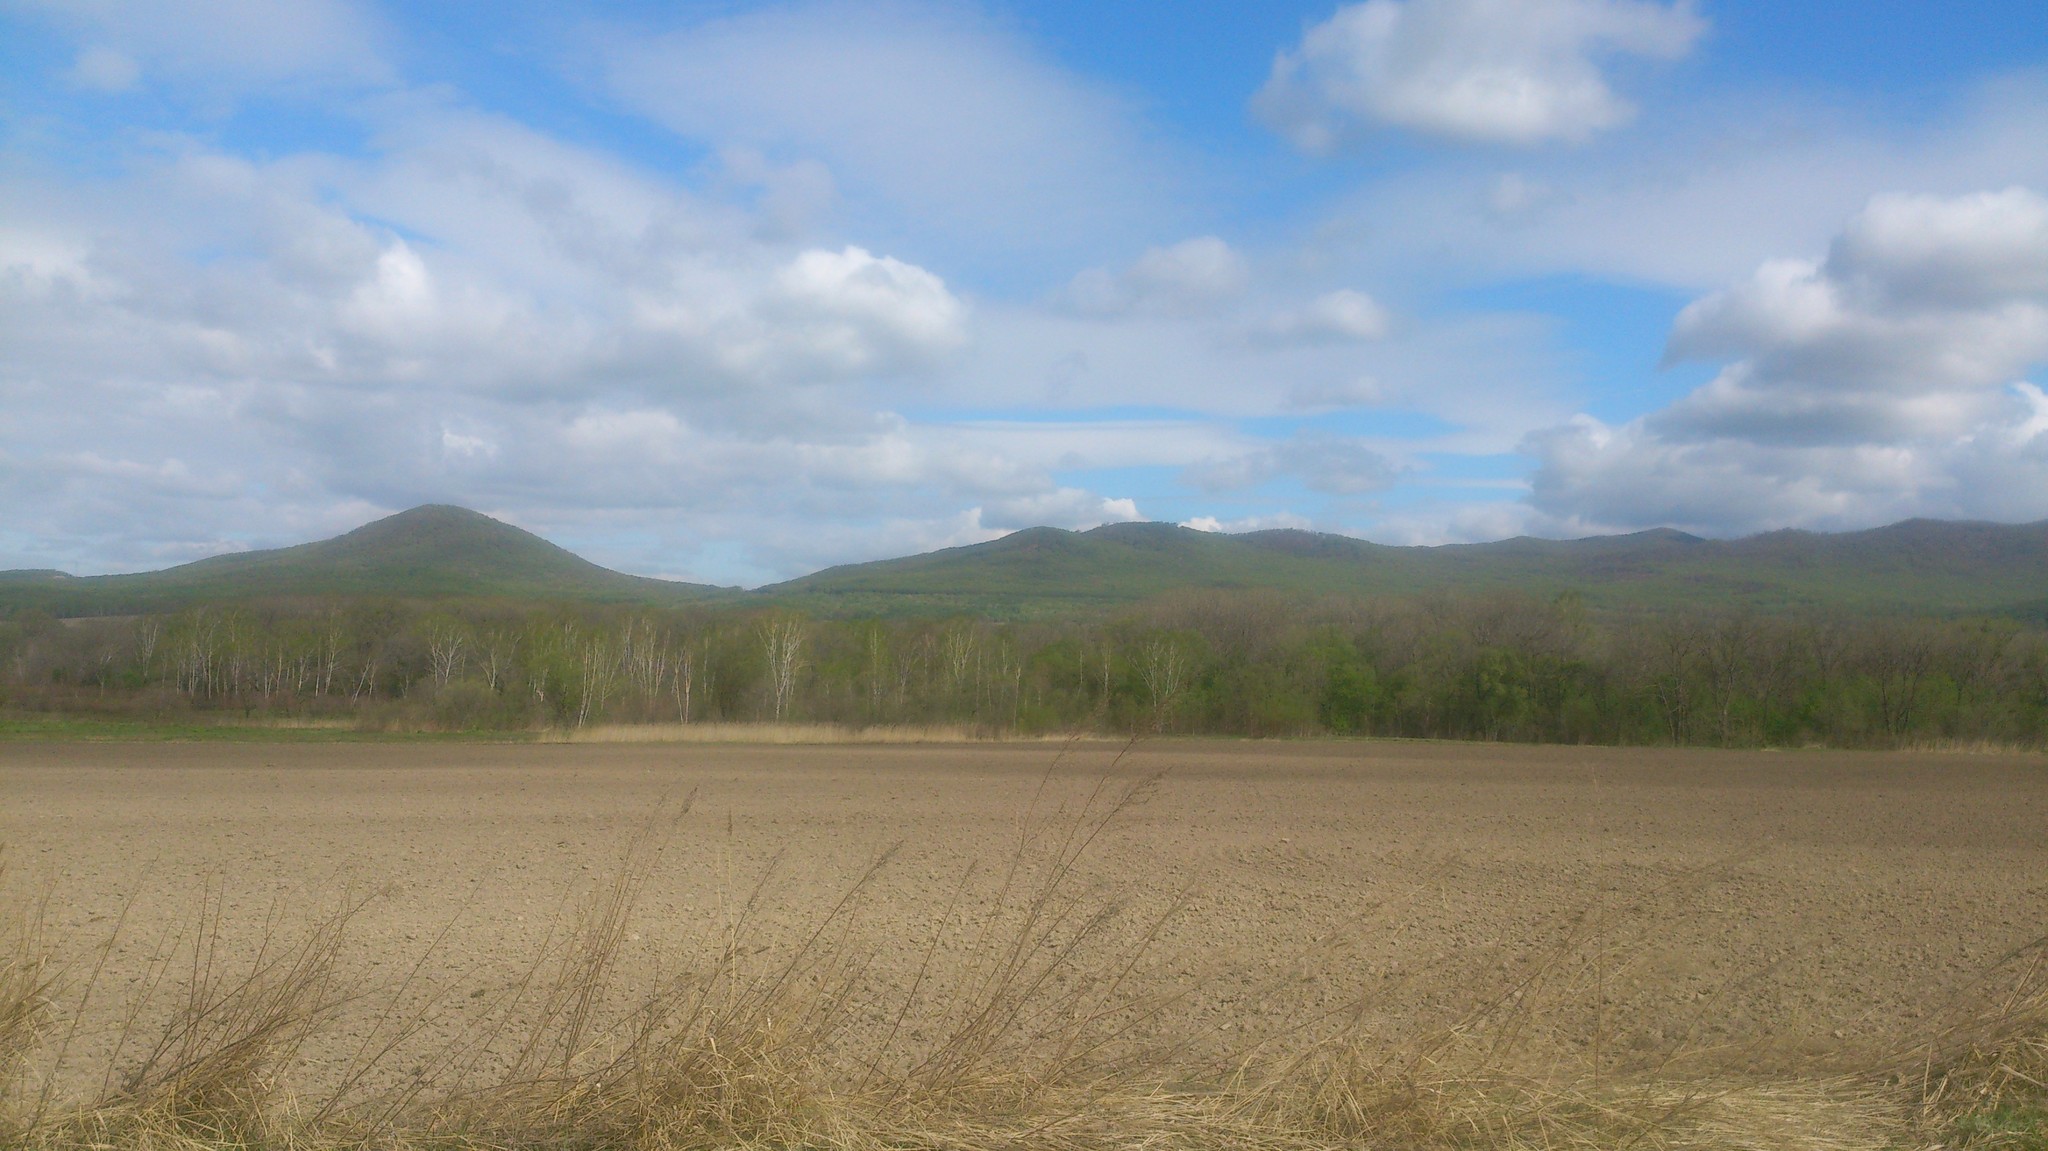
<point x="1482" y="381"/>
<point x="1498" y="71"/>
<point x="37" y="259"/>
<point x="1723" y="186"/>
<point x="1963" y="251"/>
<point x="790" y="198"/>
<point x="1329" y="395"/>
<point x="1344" y="315"/>
<point x="1514" y="194"/>
<point x="219" y="46"/>
<point x="463" y="445"/>
<point x="860" y="312"/>
<point x="105" y="70"/>
<point x="1192" y="277"/>
<point x="514" y="280"/>
<point x="1433" y="522"/>
<point x="476" y="315"/>
<point x="1070" y="508"/>
<point x="1333" y="465"/>
<point x="929" y="118"/>
<point x="1924" y="307"/>
<point x="1881" y="382"/>
<point x="1248" y="523"/>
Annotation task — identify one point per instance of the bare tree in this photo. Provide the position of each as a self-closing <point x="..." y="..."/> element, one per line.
<point x="332" y="638"/>
<point x="1674" y="648"/>
<point x="444" y="652"/>
<point x="782" y="642"/>
<point x="500" y="649"/>
<point x="960" y="646"/>
<point x="1897" y="656"/>
<point x="599" y="667"/>
<point x="684" y="679"/>
<point x="147" y="634"/>
<point x="1164" y="667"/>
<point x="1108" y="659"/>
<point x="646" y="658"/>
<point x="878" y="667"/>
<point x="1727" y="656"/>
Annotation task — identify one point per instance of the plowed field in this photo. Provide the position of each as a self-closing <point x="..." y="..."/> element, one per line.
<point x="1762" y="909"/>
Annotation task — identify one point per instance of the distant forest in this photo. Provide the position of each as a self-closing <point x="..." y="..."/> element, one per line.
<point x="1497" y="667"/>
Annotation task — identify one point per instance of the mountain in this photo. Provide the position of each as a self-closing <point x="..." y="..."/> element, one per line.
<point x="1918" y="565"/>
<point x="431" y="552"/>
<point x="447" y="552"/>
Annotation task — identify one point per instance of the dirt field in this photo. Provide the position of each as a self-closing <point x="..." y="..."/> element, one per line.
<point x="1771" y="909"/>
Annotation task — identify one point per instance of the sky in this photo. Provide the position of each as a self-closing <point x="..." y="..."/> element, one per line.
<point x="730" y="292"/>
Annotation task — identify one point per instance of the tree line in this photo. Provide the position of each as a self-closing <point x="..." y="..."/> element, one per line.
<point x="1499" y="667"/>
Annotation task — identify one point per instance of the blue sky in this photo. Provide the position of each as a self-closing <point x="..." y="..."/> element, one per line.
<point x="733" y="291"/>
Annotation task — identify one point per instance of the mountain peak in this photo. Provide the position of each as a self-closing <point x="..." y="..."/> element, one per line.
<point x="431" y="551"/>
<point x="437" y="524"/>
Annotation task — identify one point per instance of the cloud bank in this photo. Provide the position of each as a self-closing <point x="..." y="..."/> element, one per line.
<point x="1883" y="381"/>
<point x="1518" y="72"/>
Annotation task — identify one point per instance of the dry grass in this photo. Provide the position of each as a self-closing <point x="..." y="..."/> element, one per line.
<point x="776" y="733"/>
<point x="1024" y="1031"/>
<point x="1983" y="1078"/>
<point x="1986" y="747"/>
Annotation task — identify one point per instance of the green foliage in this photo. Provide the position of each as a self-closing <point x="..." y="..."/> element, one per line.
<point x="1351" y="692"/>
<point x="1493" y="667"/>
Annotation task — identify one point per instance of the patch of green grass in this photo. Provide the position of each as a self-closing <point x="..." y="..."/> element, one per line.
<point x="2007" y="1127"/>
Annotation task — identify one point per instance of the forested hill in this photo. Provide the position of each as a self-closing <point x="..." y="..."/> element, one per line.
<point x="1918" y="565"/>
<point x="438" y="552"/>
<point x="430" y="552"/>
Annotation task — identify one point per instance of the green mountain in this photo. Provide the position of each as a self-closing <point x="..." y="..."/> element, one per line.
<point x="430" y="552"/>
<point x="436" y="552"/>
<point x="1918" y="565"/>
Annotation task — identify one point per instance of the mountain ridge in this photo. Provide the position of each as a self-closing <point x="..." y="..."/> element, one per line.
<point x="1928" y="565"/>
<point x="441" y="551"/>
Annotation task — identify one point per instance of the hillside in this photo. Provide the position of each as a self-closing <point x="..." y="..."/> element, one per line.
<point x="438" y="552"/>
<point x="1918" y="565"/>
<point x="430" y="552"/>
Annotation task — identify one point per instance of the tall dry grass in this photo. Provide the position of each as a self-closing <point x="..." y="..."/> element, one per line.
<point x="782" y="733"/>
<point x="1026" y="1023"/>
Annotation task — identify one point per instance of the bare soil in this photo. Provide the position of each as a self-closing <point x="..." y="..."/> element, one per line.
<point x="1773" y="909"/>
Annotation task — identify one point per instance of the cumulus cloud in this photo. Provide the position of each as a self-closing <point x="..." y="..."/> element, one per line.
<point x="1884" y="380"/>
<point x="1496" y="71"/>
<point x="475" y="314"/>
<point x="1189" y="278"/>
<point x="1342" y="316"/>
<point x="204" y="348"/>
<point x="1248" y="523"/>
<point x="860" y="312"/>
<point x="615" y="281"/>
<point x="1070" y="508"/>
